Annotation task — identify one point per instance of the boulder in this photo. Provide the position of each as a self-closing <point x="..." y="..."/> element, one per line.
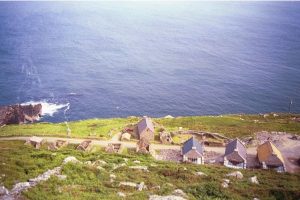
<point x="236" y="174"/>
<point x="3" y="191"/>
<point x="144" y="168"/>
<point x="200" y="174"/>
<point x="129" y="184"/>
<point x="70" y="159"/>
<point x="179" y="192"/>
<point x="168" y="117"/>
<point x="253" y="180"/>
<point x="168" y="197"/>
<point x="61" y="177"/>
<point x="141" y="186"/>
<point x="121" y="194"/>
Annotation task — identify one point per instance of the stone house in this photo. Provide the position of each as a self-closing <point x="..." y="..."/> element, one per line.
<point x="146" y="129"/>
<point x="192" y="151"/>
<point x="270" y="157"/>
<point x="235" y="155"/>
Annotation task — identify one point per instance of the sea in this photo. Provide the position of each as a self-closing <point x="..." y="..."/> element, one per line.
<point x="116" y="59"/>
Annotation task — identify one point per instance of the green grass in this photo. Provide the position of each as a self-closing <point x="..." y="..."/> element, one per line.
<point x="83" y="182"/>
<point x="234" y="125"/>
<point x="229" y="125"/>
<point x="92" y="128"/>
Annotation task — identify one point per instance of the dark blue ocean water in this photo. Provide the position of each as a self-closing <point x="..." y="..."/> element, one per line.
<point x="119" y="59"/>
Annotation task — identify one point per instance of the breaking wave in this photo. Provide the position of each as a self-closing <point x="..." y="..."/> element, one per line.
<point x="48" y="108"/>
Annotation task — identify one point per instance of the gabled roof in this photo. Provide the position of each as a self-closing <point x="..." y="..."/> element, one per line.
<point x="266" y="150"/>
<point x="236" y="145"/>
<point x="190" y="143"/>
<point x="144" y="124"/>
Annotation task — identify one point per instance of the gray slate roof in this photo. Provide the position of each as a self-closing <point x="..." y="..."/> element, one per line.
<point x="144" y="124"/>
<point x="236" y="144"/>
<point x="190" y="143"/>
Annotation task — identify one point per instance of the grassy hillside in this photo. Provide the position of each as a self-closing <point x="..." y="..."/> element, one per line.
<point x="229" y="125"/>
<point x="19" y="163"/>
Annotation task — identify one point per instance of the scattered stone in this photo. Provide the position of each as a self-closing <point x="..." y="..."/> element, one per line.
<point x="61" y="177"/>
<point x="125" y="159"/>
<point x="99" y="163"/>
<point x="137" y="161"/>
<point x="112" y="176"/>
<point x="236" y="174"/>
<point x="71" y="159"/>
<point x="3" y="190"/>
<point x="253" y="180"/>
<point x="184" y="168"/>
<point x="118" y="166"/>
<point x="100" y="168"/>
<point x="153" y="165"/>
<point x="200" y="174"/>
<point x="224" y="185"/>
<point x="226" y="180"/>
<point x="169" y="197"/>
<point x="144" y="168"/>
<point x="179" y="192"/>
<point x="255" y="198"/>
<point x="157" y="187"/>
<point x="170" y="184"/>
<point x="121" y="194"/>
<point x="141" y="186"/>
<point x="130" y="184"/>
<point x="88" y="162"/>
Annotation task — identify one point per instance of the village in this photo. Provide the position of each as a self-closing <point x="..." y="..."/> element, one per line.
<point x="199" y="148"/>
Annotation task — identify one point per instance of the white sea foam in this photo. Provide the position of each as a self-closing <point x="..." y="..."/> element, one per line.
<point x="48" y="108"/>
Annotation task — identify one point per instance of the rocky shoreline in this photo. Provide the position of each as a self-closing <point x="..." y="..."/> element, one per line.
<point x="19" y="114"/>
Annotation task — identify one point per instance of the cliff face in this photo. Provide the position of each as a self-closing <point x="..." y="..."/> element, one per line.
<point x="18" y="114"/>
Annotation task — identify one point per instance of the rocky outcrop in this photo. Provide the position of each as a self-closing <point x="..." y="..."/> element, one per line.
<point x="18" y="114"/>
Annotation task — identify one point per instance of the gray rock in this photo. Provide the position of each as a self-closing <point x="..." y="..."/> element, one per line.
<point x="179" y="192"/>
<point x="121" y="194"/>
<point x="236" y="174"/>
<point x="70" y="159"/>
<point x="144" y="168"/>
<point x="169" y="197"/>
<point x="253" y="180"/>
<point x="3" y="190"/>
<point x="141" y="186"/>
<point x="200" y="174"/>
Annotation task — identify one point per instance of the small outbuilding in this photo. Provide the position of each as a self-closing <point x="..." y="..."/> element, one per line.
<point x="57" y="145"/>
<point x="235" y="155"/>
<point x="146" y="129"/>
<point x="270" y="157"/>
<point x="85" y="145"/>
<point x="192" y="151"/>
<point x="36" y="142"/>
<point x="114" y="148"/>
